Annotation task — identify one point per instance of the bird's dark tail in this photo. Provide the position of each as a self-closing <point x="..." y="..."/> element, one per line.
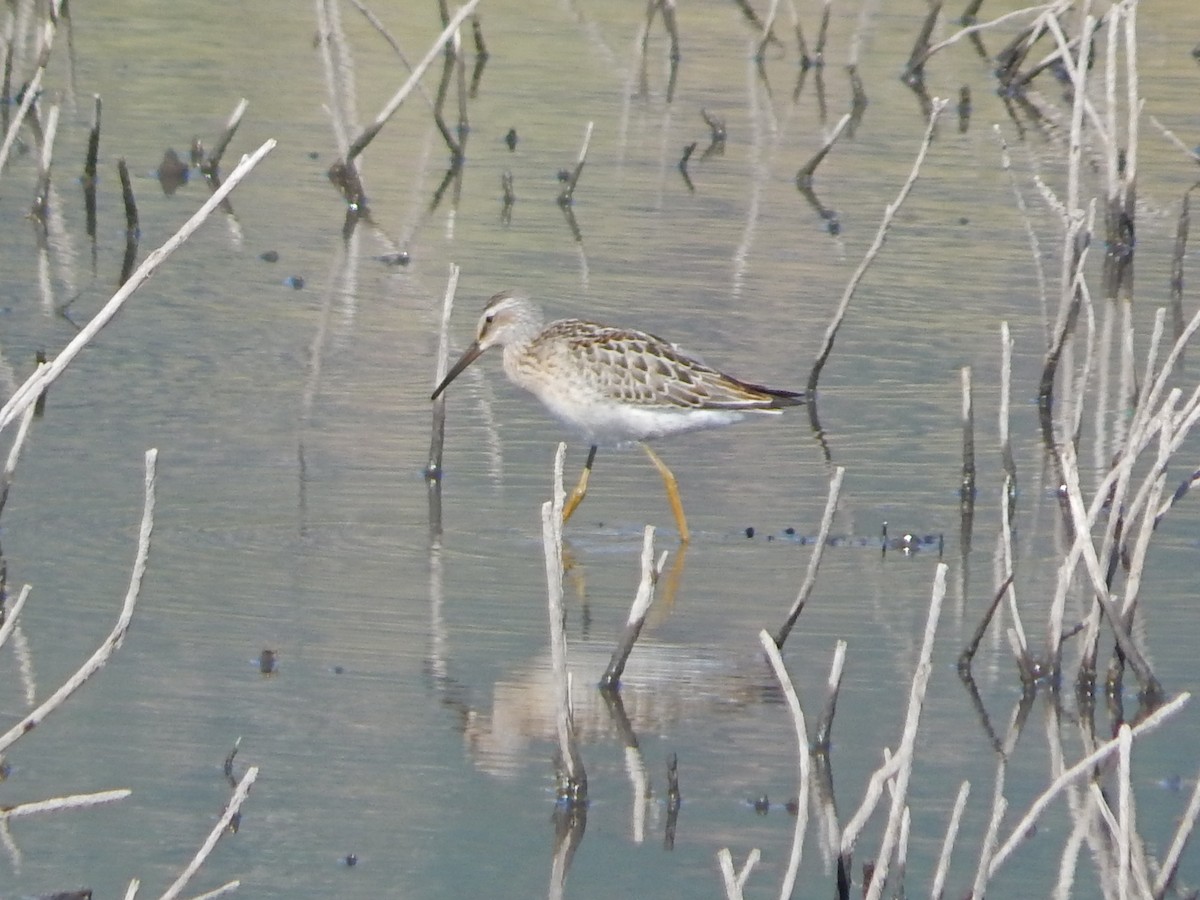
<point x="775" y="397"/>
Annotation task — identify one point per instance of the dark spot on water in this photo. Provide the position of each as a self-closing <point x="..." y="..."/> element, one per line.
<point x="564" y="175"/>
<point x="314" y="154"/>
<point x="172" y="172"/>
<point x="268" y="662"/>
<point x="339" y="670"/>
<point x="296" y="282"/>
<point x="269" y="256"/>
<point x="789" y="531"/>
<point x="762" y="805"/>
<point x="399" y="258"/>
<point x="750" y="531"/>
<point x="511" y="139"/>
<point x="350" y="859"/>
<point x="1172" y="783"/>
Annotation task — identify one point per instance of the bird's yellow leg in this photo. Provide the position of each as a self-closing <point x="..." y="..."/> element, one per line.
<point x="581" y="488"/>
<point x="672" y="487"/>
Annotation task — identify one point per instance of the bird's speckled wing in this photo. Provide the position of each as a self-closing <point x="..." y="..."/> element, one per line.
<point x="639" y="369"/>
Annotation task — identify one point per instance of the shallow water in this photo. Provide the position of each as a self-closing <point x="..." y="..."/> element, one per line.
<point x="407" y="722"/>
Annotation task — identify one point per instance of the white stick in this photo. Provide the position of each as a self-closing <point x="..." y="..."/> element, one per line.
<point x="793" y="702"/>
<point x="54" y="804"/>
<point x="228" y="888"/>
<point x="360" y="142"/>
<point x="1186" y="824"/>
<point x="552" y="543"/>
<point x="231" y="810"/>
<point x="45" y="375"/>
<point x="943" y="866"/>
<point x="10" y="617"/>
<point x="1079" y="770"/>
<point x="115" y="637"/>
<point x="916" y="700"/>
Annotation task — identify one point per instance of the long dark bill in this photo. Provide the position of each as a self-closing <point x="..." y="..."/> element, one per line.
<point x="471" y="354"/>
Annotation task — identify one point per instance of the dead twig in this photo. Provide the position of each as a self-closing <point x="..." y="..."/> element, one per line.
<point x="102" y="654"/>
<point x="572" y="779"/>
<point x="46" y="375"/>
<point x="231" y="810"/>
<point x="72" y="801"/>
<point x="213" y="163"/>
<point x="567" y="197"/>
<point x="810" y="576"/>
<point x="1082" y="769"/>
<point x="873" y="251"/>
<point x="433" y="471"/>
<point x="804" y="177"/>
<point x="611" y="679"/>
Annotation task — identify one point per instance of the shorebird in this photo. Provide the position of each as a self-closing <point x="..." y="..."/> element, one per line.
<point x="613" y="385"/>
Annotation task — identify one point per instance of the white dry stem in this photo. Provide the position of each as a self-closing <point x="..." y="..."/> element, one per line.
<point x="55" y="804"/>
<point x="228" y="888"/>
<point x="14" y="452"/>
<point x="45" y="375"/>
<point x="650" y="572"/>
<point x="10" y="615"/>
<point x="115" y="637"/>
<point x="943" y="866"/>
<point x="1186" y="824"/>
<point x="34" y="87"/>
<point x="1081" y="769"/>
<point x="908" y="740"/>
<point x="735" y="881"/>
<point x="889" y="213"/>
<point x="814" y="562"/>
<point x="1095" y="571"/>
<point x="231" y="809"/>
<point x="793" y="704"/>
<point x="389" y="109"/>
<point x="552" y="544"/>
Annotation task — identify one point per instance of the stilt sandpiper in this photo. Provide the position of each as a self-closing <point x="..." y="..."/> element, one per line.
<point x="613" y="385"/>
